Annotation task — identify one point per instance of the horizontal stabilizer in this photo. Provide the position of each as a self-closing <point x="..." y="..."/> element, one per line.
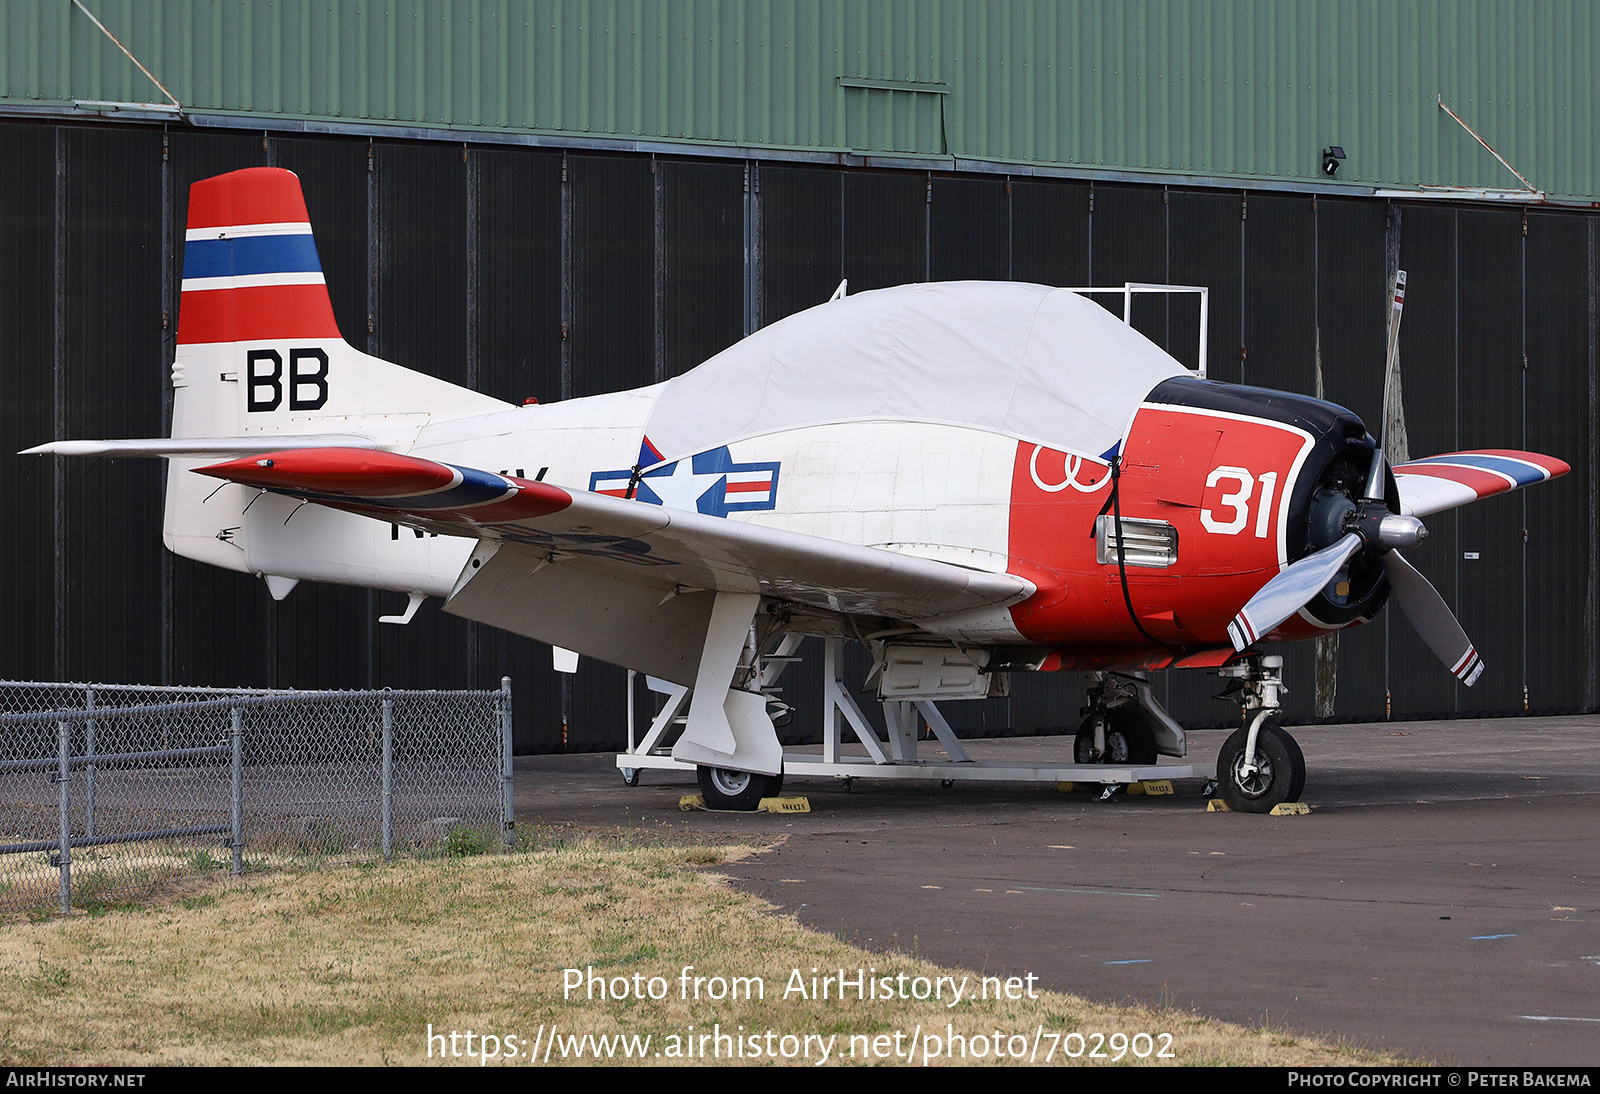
<point x="1437" y="483"/>
<point x="193" y="446"/>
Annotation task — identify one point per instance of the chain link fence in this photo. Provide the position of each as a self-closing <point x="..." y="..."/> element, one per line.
<point x="107" y="790"/>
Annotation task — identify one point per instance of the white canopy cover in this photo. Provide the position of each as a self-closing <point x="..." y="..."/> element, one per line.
<point x="1040" y="364"/>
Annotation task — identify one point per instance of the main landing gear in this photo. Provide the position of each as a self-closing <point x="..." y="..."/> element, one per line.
<point x="1124" y="723"/>
<point x="742" y="790"/>
<point x="1260" y="765"/>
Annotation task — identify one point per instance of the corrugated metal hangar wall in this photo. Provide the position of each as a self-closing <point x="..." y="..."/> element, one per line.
<point x="1244" y="89"/>
<point x="558" y="272"/>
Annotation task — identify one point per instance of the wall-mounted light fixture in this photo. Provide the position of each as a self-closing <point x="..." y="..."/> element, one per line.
<point x="1331" y="158"/>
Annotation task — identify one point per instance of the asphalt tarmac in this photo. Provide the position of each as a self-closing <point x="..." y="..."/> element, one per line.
<point x="1442" y="900"/>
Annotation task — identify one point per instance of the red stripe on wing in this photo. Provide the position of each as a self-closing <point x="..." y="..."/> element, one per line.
<point x="1482" y="483"/>
<point x="359" y="474"/>
<point x="353" y="472"/>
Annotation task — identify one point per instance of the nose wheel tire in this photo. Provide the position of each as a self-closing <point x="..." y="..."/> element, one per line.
<point x="1128" y="741"/>
<point x="736" y="790"/>
<point x="1279" y="775"/>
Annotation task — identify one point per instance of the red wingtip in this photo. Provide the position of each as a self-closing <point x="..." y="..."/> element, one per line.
<point x="370" y="482"/>
<point x="348" y="472"/>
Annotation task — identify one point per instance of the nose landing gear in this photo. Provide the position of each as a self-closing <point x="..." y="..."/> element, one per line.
<point x="1260" y="765"/>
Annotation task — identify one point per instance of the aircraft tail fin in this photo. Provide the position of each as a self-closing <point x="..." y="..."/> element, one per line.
<point x="250" y="265"/>
<point x="259" y="349"/>
<point x="260" y="356"/>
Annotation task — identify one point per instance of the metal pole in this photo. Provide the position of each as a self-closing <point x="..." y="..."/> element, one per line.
<point x="88" y="750"/>
<point x="631" y="675"/>
<point x="236" y="778"/>
<point x="63" y="767"/>
<point x="507" y="808"/>
<point x="388" y="778"/>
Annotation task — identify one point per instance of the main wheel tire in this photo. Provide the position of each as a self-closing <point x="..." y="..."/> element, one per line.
<point x="737" y="790"/>
<point x="1280" y="773"/>
<point x="1128" y="740"/>
<point x="1297" y="760"/>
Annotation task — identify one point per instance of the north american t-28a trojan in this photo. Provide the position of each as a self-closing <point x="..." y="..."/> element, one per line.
<point x="972" y="478"/>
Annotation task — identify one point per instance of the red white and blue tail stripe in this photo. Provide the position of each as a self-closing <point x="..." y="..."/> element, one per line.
<point x="250" y="265"/>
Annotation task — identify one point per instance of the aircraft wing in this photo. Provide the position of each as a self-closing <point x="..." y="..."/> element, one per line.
<point x="1437" y="483"/>
<point x="631" y="541"/>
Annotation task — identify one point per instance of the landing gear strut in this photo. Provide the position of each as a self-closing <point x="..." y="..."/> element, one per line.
<point x="1124" y="723"/>
<point x="1260" y="765"/>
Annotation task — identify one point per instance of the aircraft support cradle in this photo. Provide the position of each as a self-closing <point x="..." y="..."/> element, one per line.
<point x="899" y="758"/>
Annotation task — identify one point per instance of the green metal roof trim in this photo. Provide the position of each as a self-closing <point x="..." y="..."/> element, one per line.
<point x="1251" y="90"/>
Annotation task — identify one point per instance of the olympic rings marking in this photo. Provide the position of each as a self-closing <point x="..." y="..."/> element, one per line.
<point x="1073" y="464"/>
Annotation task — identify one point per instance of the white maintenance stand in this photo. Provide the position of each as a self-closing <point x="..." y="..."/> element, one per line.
<point x="896" y="759"/>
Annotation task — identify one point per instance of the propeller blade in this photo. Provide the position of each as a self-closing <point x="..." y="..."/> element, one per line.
<point x="1432" y="618"/>
<point x="1380" y="462"/>
<point x="1290" y="591"/>
<point x="1374" y="487"/>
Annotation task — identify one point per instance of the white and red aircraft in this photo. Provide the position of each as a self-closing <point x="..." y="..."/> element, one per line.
<point x="973" y="478"/>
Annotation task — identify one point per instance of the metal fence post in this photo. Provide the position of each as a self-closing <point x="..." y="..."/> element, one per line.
<point x="88" y="750"/>
<point x="63" y="769"/>
<point x="508" y="816"/>
<point x="388" y="778"/>
<point x="237" y="781"/>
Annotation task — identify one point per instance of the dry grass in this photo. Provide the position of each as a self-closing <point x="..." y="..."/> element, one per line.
<point x="351" y="966"/>
<point x="99" y="873"/>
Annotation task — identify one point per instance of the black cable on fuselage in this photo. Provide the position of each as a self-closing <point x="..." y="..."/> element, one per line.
<point x="1115" y="502"/>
